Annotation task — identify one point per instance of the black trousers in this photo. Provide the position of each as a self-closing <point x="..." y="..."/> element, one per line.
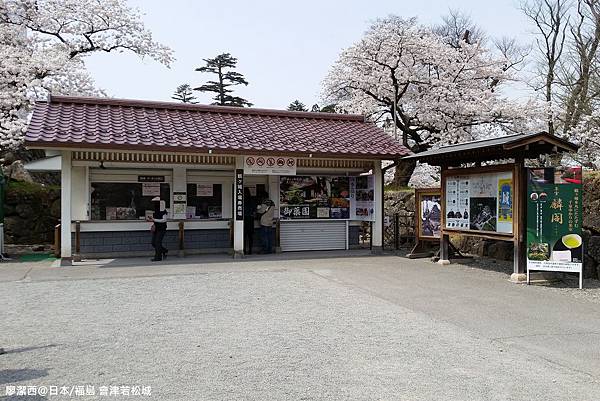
<point x="157" y="239"/>
<point x="248" y="235"/>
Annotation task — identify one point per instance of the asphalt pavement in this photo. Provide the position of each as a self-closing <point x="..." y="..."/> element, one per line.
<point x="360" y="328"/>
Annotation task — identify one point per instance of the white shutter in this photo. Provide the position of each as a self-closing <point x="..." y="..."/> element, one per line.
<point x="299" y="235"/>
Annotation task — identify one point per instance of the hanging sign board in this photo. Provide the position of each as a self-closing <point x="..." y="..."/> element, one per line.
<point x="151" y="189"/>
<point x="554" y="220"/>
<point x="270" y="165"/>
<point x="151" y="178"/>
<point x="204" y="190"/>
<point x="239" y="194"/>
<point x="481" y="202"/>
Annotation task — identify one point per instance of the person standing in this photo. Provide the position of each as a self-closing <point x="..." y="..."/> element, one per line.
<point x="249" y="218"/>
<point x="267" y="211"/>
<point x="159" y="229"/>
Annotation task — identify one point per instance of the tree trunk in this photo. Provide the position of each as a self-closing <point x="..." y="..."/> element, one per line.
<point x="403" y="172"/>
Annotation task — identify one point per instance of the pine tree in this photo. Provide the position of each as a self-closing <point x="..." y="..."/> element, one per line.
<point x="184" y="94"/>
<point x="297" y="105"/>
<point x="225" y="80"/>
<point x="330" y="108"/>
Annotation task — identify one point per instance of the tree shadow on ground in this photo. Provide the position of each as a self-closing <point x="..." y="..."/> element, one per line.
<point x="27" y="349"/>
<point x="9" y="376"/>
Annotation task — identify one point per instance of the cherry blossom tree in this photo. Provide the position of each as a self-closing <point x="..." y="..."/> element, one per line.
<point x="43" y="45"/>
<point x="441" y="91"/>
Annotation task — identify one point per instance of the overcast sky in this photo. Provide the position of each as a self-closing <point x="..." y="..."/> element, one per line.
<point x="284" y="48"/>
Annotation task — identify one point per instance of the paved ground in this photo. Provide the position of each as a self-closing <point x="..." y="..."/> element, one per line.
<point x="360" y="328"/>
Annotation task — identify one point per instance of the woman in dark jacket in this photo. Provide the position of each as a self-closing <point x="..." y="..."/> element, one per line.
<point x="159" y="229"/>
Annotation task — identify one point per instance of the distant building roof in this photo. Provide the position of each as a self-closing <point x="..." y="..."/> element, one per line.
<point x="505" y="147"/>
<point x="105" y="123"/>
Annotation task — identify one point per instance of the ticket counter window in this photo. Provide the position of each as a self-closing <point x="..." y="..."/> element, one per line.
<point x="125" y="201"/>
<point x="204" y="201"/>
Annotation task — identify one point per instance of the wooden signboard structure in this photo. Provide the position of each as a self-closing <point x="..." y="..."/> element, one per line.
<point x="488" y="201"/>
<point x="428" y="221"/>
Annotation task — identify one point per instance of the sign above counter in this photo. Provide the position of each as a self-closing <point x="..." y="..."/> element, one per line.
<point x="270" y="165"/>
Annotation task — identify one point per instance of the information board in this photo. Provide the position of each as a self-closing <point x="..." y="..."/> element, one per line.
<point x="480" y="202"/>
<point x="554" y="219"/>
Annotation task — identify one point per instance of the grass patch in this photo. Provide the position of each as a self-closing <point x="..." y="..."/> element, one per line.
<point x="36" y="257"/>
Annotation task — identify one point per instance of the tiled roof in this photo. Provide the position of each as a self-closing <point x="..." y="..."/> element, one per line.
<point x="104" y="123"/>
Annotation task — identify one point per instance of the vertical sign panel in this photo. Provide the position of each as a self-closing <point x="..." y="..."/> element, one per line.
<point x="554" y="219"/>
<point x="239" y="194"/>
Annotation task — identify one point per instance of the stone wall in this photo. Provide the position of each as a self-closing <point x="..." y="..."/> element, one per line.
<point x="31" y="211"/>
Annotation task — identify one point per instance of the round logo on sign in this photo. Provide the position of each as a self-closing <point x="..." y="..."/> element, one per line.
<point x="260" y="161"/>
<point x="250" y="161"/>
<point x="291" y="162"/>
<point x="280" y="162"/>
<point x="270" y="161"/>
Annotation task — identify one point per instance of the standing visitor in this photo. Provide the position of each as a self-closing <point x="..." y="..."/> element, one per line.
<point x="267" y="211"/>
<point x="159" y="229"/>
<point x="249" y="217"/>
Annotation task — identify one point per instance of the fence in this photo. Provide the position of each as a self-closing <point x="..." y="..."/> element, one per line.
<point x="399" y="231"/>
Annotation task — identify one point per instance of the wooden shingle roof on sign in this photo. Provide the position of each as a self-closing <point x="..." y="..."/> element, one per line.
<point x="121" y="124"/>
<point x="505" y="147"/>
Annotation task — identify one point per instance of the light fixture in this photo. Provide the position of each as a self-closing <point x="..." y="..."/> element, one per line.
<point x="102" y="165"/>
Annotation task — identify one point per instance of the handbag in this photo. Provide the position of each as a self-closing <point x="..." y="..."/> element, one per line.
<point x="152" y="228"/>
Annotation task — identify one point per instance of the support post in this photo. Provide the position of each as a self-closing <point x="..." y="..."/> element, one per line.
<point x="65" y="210"/>
<point x="238" y="208"/>
<point x="377" y="232"/>
<point x="181" y="238"/>
<point x="520" y="219"/>
<point x="444" y="246"/>
<point x="77" y="254"/>
<point x="445" y="238"/>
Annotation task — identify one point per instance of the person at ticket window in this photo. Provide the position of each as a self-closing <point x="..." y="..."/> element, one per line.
<point x="159" y="229"/>
<point x="266" y="210"/>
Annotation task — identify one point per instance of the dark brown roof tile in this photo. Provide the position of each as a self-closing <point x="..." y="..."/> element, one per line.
<point x="128" y="124"/>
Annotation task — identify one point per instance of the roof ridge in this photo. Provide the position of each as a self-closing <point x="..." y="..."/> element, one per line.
<point x="109" y="101"/>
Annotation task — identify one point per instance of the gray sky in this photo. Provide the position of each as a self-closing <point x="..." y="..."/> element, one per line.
<point x="284" y="48"/>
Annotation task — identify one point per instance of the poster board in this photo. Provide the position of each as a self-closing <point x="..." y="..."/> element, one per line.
<point x="480" y="201"/>
<point x="554" y="220"/>
<point x="314" y="197"/>
<point x="428" y="219"/>
<point x="362" y="198"/>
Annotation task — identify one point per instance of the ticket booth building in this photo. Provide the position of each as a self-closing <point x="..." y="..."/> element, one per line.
<point x="323" y="172"/>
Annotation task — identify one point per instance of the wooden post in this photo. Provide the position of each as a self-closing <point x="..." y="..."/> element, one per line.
<point x="181" y="238"/>
<point x="277" y="236"/>
<point x="519" y="221"/>
<point x="77" y="255"/>
<point x="444" y="238"/>
<point x="396" y="231"/>
<point x="57" y="241"/>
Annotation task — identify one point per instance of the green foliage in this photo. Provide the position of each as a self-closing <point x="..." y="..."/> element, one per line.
<point x="29" y="188"/>
<point x="184" y="94"/>
<point x="225" y="80"/>
<point x="297" y="105"/>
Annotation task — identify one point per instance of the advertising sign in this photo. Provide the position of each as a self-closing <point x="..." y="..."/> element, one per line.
<point x="362" y="198"/>
<point x="480" y="202"/>
<point x="430" y="215"/>
<point x="554" y="219"/>
<point x="314" y="197"/>
<point x="270" y="165"/>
